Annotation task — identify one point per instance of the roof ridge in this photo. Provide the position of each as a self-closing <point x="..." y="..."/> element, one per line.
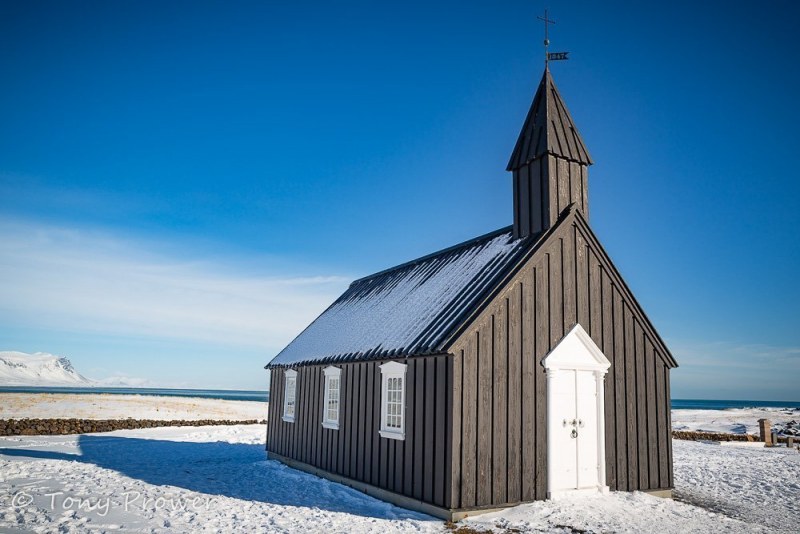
<point x="464" y="244"/>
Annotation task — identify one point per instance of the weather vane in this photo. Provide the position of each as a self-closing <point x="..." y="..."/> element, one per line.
<point x="550" y="56"/>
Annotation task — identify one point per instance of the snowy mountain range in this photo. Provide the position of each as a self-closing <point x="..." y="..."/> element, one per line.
<point x="39" y="369"/>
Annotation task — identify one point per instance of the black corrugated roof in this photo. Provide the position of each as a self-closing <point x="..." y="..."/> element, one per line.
<point x="409" y="309"/>
<point x="548" y="129"/>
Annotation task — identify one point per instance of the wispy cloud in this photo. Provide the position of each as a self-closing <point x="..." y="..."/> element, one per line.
<point x="84" y="281"/>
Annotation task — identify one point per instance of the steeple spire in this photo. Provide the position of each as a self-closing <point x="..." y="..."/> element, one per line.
<point x="549" y="163"/>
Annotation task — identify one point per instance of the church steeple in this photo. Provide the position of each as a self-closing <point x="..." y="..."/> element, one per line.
<point x="549" y="163"/>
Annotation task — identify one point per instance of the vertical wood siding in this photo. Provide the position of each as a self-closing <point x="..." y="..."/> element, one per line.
<point x="499" y="416"/>
<point x="543" y="189"/>
<point x="416" y="467"/>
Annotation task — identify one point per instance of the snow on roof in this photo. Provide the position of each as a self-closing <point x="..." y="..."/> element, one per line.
<point x="409" y="309"/>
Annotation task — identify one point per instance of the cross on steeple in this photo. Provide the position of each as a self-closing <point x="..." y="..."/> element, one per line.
<point x="547" y="22"/>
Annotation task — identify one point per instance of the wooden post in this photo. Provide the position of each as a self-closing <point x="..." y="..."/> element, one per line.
<point x="790" y="442"/>
<point x="764" y="426"/>
<point x="774" y="439"/>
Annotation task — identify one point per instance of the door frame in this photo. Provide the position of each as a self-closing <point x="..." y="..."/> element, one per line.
<point x="577" y="352"/>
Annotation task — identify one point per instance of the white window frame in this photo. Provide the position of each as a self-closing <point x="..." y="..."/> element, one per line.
<point x="332" y="373"/>
<point x="290" y="380"/>
<point x="393" y="370"/>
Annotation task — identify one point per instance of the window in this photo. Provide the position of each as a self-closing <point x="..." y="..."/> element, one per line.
<point x="289" y="396"/>
<point x="333" y="382"/>
<point x="393" y="400"/>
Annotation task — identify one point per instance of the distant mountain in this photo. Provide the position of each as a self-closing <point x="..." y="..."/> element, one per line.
<point x="38" y="369"/>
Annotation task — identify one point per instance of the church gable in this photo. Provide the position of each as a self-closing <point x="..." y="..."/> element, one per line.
<point x="573" y="280"/>
<point x="566" y="280"/>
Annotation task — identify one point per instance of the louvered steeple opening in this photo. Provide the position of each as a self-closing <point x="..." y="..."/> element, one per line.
<point x="549" y="164"/>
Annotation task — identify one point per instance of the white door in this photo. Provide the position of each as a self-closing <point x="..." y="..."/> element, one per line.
<point x="586" y="414"/>
<point x="576" y="368"/>
<point x="575" y="458"/>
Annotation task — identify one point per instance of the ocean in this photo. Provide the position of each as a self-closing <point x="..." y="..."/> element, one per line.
<point x="263" y="396"/>
<point x="224" y="394"/>
<point x="701" y="404"/>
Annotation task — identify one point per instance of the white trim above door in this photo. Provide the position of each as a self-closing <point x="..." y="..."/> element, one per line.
<point x="576" y="368"/>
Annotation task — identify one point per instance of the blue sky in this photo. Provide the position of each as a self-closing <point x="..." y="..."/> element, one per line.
<point x="184" y="185"/>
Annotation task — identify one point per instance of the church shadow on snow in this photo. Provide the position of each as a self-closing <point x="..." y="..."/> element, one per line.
<point x="235" y="470"/>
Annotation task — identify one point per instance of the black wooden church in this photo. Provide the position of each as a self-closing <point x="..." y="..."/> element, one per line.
<point x="513" y="367"/>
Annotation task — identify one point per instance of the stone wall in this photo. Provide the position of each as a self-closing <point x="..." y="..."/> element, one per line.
<point x="33" y="427"/>
<point x="718" y="436"/>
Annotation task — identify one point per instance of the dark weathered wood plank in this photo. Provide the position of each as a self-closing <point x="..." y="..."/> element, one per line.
<point x="620" y="406"/>
<point x="419" y="426"/>
<point x="311" y="421"/>
<point x="663" y="431"/>
<point x="411" y="397"/>
<point x="569" y="280"/>
<point x="582" y="282"/>
<point x="549" y="192"/>
<point x="360" y="416"/>
<point x="325" y="453"/>
<point x="484" y="479"/>
<point x="668" y="428"/>
<point x="585" y="191"/>
<point x="469" y="435"/>
<point x="430" y="408"/>
<point x="641" y="408"/>
<point x="515" y="394"/>
<point x="345" y="414"/>
<point x="575" y="184"/>
<point x="292" y="427"/>
<point x="500" y="408"/>
<point x="299" y="424"/>
<point x="284" y="426"/>
<point x="319" y="379"/>
<point x="279" y="395"/>
<point x="369" y="428"/>
<point x="399" y="457"/>
<point x="528" y="473"/>
<point x="385" y="460"/>
<point x="536" y="216"/>
<point x="563" y="184"/>
<point x="271" y="414"/>
<point x="276" y="400"/>
<point x="389" y="467"/>
<point x="452" y="439"/>
<point x="556" y="295"/>
<point x="539" y="321"/>
<point x="630" y="395"/>
<point x="607" y="345"/>
<point x="308" y="445"/>
<point x="308" y="428"/>
<point x="595" y="299"/>
<point x="375" y="474"/>
<point x="440" y="426"/>
<point x="297" y="427"/>
<point x="652" y="419"/>
<point x="525" y="204"/>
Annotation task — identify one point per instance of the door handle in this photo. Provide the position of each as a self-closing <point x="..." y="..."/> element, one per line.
<point x="574" y="433"/>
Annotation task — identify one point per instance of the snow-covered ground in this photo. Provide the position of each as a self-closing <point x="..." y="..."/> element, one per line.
<point x="732" y="420"/>
<point x="216" y="479"/>
<point x="113" y="406"/>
